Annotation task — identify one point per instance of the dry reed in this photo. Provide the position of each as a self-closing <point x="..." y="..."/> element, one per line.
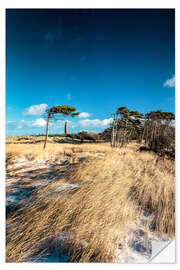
<point x="113" y="193"/>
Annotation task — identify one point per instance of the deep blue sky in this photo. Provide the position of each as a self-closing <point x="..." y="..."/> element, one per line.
<point x="95" y="60"/>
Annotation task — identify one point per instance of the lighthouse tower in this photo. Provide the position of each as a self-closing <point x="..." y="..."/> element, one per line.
<point x="66" y="128"/>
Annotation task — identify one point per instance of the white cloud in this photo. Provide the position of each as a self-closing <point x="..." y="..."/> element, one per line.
<point x="68" y="96"/>
<point x="35" y="109"/>
<point x="170" y="82"/>
<point x="11" y="122"/>
<point x="95" y="123"/>
<point x="84" y="115"/>
<point x="22" y="124"/>
<point x="40" y="122"/>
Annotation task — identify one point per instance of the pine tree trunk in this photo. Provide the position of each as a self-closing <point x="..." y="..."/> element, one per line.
<point x="143" y="134"/>
<point x="47" y="128"/>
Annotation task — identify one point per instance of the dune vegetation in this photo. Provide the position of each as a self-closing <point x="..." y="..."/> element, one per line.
<point x="113" y="191"/>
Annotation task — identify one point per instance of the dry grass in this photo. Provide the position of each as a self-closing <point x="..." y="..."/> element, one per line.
<point x="34" y="151"/>
<point x="113" y="193"/>
<point x="27" y="139"/>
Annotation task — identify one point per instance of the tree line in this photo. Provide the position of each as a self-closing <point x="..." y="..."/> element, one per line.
<point x="154" y="129"/>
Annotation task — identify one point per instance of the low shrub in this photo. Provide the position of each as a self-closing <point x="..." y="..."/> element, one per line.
<point x="83" y="135"/>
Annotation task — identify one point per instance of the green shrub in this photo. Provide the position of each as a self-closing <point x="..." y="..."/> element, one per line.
<point x="72" y="136"/>
<point x="57" y="135"/>
<point x="84" y="135"/>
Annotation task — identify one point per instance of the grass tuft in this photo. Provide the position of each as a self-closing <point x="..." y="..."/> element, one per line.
<point x="111" y="194"/>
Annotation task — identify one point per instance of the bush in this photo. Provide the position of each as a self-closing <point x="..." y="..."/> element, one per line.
<point x="106" y="134"/>
<point x="72" y="136"/>
<point x="163" y="145"/>
<point x="84" y="135"/>
<point x="95" y="136"/>
<point x="57" y="135"/>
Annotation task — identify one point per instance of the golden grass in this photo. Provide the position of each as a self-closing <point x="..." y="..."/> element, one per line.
<point x="113" y="193"/>
<point x="35" y="151"/>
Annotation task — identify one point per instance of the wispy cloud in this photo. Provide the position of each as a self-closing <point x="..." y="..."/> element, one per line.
<point x="170" y="82"/>
<point x="84" y="115"/>
<point x="68" y="96"/>
<point x="40" y="122"/>
<point x="22" y="124"/>
<point x="97" y="123"/>
<point x="38" y="125"/>
<point x="11" y="124"/>
<point x="35" y="109"/>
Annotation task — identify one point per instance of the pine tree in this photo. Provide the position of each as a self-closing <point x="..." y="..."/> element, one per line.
<point x="63" y="110"/>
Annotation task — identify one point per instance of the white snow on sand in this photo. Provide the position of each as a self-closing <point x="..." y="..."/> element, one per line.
<point x="138" y="247"/>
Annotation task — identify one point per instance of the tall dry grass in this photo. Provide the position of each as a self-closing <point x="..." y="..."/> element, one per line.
<point x="114" y="191"/>
<point x="35" y="151"/>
